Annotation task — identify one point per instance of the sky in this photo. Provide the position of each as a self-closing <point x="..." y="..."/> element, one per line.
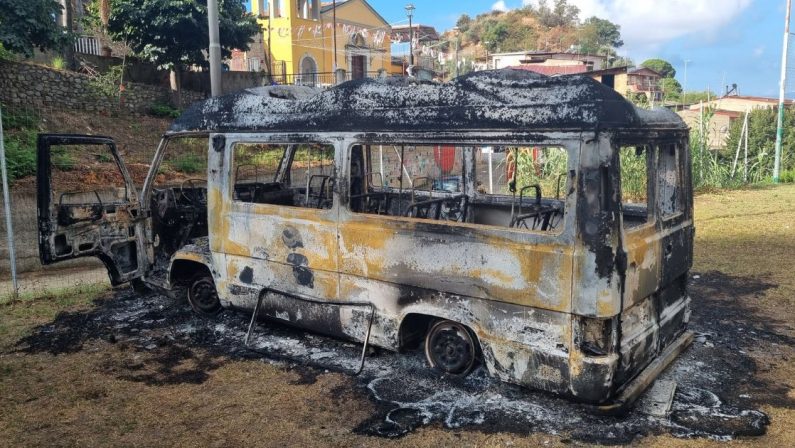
<point x="723" y="41"/>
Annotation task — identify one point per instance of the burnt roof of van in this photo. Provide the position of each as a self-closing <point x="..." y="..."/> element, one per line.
<point x="507" y="99"/>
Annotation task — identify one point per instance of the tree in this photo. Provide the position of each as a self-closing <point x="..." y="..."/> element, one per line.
<point x="599" y="36"/>
<point x="672" y="90"/>
<point x="174" y="35"/>
<point x="495" y="34"/>
<point x="561" y="14"/>
<point x="663" y="67"/>
<point x="29" y="24"/>
<point x="619" y="61"/>
<point x="463" y="23"/>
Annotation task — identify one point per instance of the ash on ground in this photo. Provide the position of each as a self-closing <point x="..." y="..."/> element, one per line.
<point x="717" y="395"/>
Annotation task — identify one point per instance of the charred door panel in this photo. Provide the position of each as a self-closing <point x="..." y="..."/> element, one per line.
<point x="98" y="215"/>
<point x="676" y="223"/>
<point x="287" y="249"/>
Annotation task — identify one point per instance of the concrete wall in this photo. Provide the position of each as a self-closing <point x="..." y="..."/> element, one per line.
<point x="35" y="85"/>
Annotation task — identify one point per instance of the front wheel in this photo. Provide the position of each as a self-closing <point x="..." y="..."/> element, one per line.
<point x="202" y="296"/>
<point x="451" y="348"/>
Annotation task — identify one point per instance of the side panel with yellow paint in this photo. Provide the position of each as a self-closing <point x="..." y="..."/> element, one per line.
<point x="264" y="246"/>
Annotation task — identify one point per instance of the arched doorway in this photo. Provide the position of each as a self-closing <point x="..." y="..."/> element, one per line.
<point x="308" y="70"/>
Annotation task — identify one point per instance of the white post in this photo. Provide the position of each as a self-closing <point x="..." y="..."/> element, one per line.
<point x="12" y="256"/>
<point x="747" y="131"/>
<point x="701" y="140"/>
<point x="381" y="163"/>
<point x="743" y="130"/>
<point x="781" y="89"/>
<point x="491" y="175"/>
<point x="215" y="48"/>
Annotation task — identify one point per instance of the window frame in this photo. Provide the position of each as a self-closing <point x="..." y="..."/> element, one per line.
<point x="679" y="209"/>
<point x="283" y="170"/>
<point x="571" y="145"/>
<point x="651" y="151"/>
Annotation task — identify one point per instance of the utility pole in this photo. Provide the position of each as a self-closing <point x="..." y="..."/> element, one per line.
<point x="455" y="29"/>
<point x="782" y="87"/>
<point x="410" y="12"/>
<point x="334" y="32"/>
<point x="684" y="93"/>
<point x="215" y="48"/>
<point x="12" y="256"/>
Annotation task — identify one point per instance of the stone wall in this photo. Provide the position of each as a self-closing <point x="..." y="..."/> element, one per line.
<point x="27" y="84"/>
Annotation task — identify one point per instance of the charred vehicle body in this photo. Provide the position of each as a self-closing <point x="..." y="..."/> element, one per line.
<point x="542" y="226"/>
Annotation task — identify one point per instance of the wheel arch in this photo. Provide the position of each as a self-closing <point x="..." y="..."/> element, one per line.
<point x="183" y="269"/>
<point x="414" y="326"/>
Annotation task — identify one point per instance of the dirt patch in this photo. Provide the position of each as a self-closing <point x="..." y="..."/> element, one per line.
<point x="718" y="392"/>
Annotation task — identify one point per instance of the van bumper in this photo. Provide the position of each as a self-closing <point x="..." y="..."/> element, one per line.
<point x="633" y="389"/>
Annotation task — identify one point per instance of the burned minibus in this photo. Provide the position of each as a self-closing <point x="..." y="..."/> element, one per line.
<point x="541" y="226"/>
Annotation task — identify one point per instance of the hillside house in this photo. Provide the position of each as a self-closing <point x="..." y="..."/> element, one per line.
<point x="631" y="82"/>
<point x="540" y="61"/>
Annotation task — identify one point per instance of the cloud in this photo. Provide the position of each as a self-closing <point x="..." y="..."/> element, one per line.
<point x="499" y="6"/>
<point x="647" y="24"/>
<point x="759" y="51"/>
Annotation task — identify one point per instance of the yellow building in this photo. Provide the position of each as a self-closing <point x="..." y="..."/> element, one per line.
<point x="306" y="41"/>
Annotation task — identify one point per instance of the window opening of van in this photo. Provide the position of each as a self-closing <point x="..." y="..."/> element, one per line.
<point x="533" y="179"/>
<point x="86" y="175"/>
<point x="294" y="175"/>
<point x="636" y="164"/>
<point x="669" y="181"/>
<point x="430" y="182"/>
<point x="179" y="197"/>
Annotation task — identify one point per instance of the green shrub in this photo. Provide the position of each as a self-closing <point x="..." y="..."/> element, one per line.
<point x="161" y="110"/>
<point x="20" y="119"/>
<point x="787" y="176"/>
<point x="6" y="55"/>
<point x="188" y="164"/>
<point x="108" y="83"/>
<point x="20" y="154"/>
<point x="62" y="159"/>
<point x="58" y="63"/>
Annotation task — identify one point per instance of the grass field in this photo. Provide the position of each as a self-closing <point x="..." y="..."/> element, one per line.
<point x="106" y="393"/>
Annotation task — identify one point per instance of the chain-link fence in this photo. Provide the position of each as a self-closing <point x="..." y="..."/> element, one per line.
<point x="21" y="126"/>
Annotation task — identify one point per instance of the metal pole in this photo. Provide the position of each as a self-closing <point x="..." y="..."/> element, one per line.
<point x="456" y="52"/>
<point x="684" y="94"/>
<point x="334" y="33"/>
<point x="747" y="131"/>
<point x="215" y="48"/>
<point x="782" y="86"/>
<point x="701" y="140"/>
<point x="411" y="43"/>
<point x="12" y="256"/>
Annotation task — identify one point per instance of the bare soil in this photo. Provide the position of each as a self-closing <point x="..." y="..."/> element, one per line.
<point x="125" y="369"/>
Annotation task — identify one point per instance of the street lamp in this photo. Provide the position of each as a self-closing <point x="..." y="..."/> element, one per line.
<point x="410" y="12"/>
<point x="456" y="31"/>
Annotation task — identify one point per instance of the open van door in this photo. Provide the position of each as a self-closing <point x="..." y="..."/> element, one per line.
<point x="88" y="205"/>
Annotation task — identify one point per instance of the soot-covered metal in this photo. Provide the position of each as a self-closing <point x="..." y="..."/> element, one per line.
<point x="588" y="301"/>
<point x="487" y="100"/>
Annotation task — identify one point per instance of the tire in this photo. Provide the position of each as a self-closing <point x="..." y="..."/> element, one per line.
<point x="451" y="348"/>
<point x="202" y="295"/>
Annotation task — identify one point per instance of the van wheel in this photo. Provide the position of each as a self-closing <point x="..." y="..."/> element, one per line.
<point x="202" y="296"/>
<point x="451" y="348"/>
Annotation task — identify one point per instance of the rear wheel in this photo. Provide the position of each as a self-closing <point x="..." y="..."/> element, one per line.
<point x="202" y="296"/>
<point x="451" y="348"/>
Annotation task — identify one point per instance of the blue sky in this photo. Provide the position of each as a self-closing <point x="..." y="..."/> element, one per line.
<point x="725" y="41"/>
